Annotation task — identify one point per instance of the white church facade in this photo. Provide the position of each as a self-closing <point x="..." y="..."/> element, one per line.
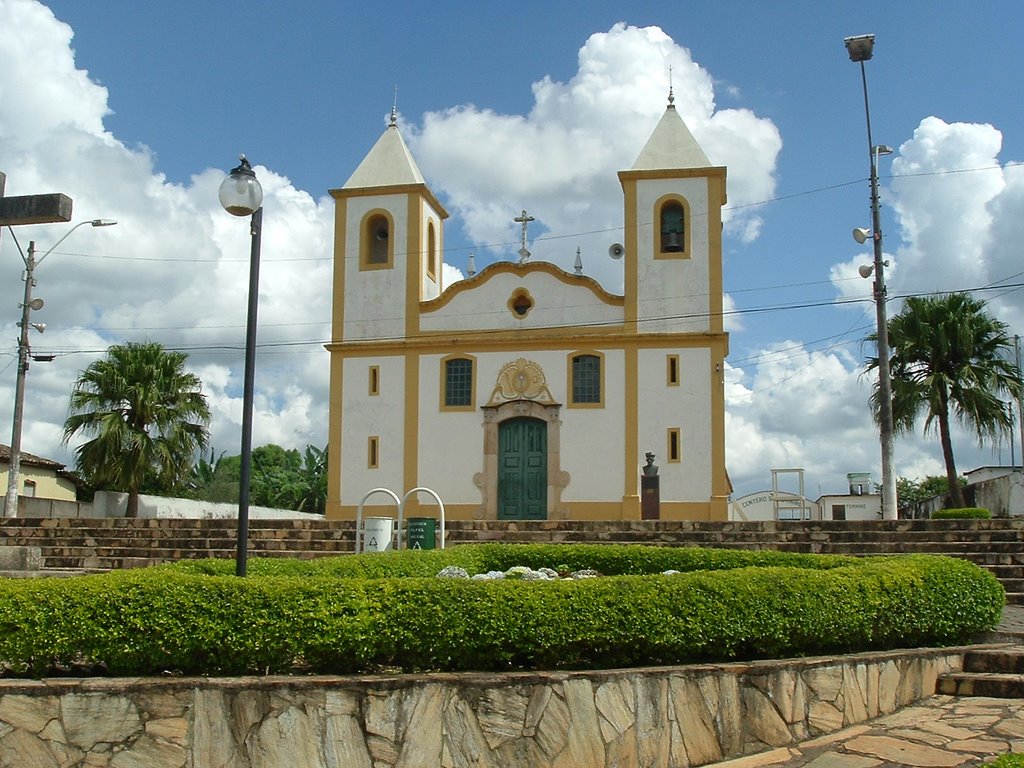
<point x="525" y="391"/>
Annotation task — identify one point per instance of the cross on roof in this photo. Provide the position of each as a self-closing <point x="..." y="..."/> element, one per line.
<point x="523" y="219"/>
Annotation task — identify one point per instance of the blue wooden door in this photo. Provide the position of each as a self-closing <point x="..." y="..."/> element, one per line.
<point x="523" y="469"/>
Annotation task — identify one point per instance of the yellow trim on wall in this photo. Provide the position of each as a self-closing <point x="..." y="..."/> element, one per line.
<point x="443" y="372"/>
<point x="410" y="451"/>
<point x="631" y="443"/>
<point x="526" y="341"/>
<point x="414" y="215"/>
<point x="576" y="510"/>
<point x="631" y="266"/>
<point x="421" y="190"/>
<point x="340" y="244"/>
<point x="337" y="362"/>
<point x="709" y="172"/>
<point x="716" y="190"/>
<point x="520" y="270"/>
<point x="373" y="452"/>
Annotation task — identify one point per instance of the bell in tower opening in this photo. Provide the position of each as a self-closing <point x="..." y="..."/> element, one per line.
<point x="672" y="217"/>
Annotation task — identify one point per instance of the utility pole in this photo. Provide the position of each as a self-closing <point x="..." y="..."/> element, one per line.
<point x="13" y="477"/>
<point x="15" y="211"/>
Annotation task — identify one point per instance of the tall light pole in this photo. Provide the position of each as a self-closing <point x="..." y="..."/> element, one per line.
<point x="860" y="49"/>
<point x="27" y="305"/>
<point x="242" y="195"/>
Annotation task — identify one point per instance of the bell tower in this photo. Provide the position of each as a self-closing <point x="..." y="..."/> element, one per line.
<point x="673" y="198"/>
<point x="388" y="241"/>
<point x="673" y="211"/>
<point x="388" y="244"/>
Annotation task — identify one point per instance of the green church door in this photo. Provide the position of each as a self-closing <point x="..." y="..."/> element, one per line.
<point x="522" y="469"/>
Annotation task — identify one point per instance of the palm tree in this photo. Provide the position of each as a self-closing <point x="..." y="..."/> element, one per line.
<point x="947" y="354"/>
<point x="147" y="415"/>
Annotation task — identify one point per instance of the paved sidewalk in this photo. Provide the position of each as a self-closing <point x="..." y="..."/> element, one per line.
<point x="943" y="731"/>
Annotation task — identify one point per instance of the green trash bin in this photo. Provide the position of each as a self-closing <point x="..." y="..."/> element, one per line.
<point x="422" y="533"/>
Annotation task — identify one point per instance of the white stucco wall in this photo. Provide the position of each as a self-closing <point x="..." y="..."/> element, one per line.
<point x="592" y="438"/>
<point x="673" y="293"/>
<point x="382" y="415"/>
<point x="864" y="507"/>
<point x="450" y="442"/>
<point x="375" y="298"/>
<point x="685" y="406"/>
<point x="557" y="304"/>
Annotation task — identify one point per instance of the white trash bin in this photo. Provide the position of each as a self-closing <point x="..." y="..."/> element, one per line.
<point x="377" y="534"/>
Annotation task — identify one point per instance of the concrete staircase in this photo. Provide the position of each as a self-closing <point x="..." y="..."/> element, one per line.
<point x="83" y="544"/>
<point x="994" y="672"/>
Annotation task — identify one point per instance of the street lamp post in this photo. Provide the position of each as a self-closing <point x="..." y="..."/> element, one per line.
<point x="861" y="49"/>
<point x="242" y="195"/>
<point x="28" y="304"/>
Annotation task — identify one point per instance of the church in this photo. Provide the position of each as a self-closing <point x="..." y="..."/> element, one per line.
<point x="526" y="392"/>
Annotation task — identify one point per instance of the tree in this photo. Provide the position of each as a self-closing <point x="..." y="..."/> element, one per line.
<point x="281" y="478"/>
<point x="910" y="493"/>
<point x="949" y="356"/>
<point x="147" y="416"/>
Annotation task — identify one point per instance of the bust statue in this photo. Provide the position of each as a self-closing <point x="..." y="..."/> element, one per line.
<point x="650" y="468"/>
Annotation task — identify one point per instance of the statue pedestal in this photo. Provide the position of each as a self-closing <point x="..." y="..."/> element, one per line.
<point x="650" y="497"/>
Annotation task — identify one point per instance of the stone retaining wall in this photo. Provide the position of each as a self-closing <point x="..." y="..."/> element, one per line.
<point x="654" y="717"/>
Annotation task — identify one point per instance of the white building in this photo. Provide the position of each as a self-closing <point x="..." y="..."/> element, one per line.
<point x="525" y="391"/>
<point x="777" y="503"/>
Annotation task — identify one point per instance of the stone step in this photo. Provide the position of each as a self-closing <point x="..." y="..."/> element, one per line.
<point x="1006" y="571"/>
<point x="992" y="684"/>
<point x="1003" y="660"/>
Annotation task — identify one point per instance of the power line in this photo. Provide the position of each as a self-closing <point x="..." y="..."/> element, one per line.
<point x="552" y="238"/>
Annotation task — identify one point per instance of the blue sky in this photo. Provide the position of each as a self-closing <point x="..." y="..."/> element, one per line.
<point x="140" y="112"/>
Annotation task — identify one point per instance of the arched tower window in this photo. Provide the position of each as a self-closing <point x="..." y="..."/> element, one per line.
<point x="375" y="242"/>
<point x="672" y="221"/>
<point x="431" y="252"/>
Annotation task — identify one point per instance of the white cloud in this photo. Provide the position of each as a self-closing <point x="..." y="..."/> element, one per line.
<point x="560" y="161"/>
<point x="174" y="269"/>
<point x="944" y="180"/>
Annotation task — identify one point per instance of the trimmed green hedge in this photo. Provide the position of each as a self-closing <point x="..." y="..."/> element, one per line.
<point x="609" y="559"/>
<point x="344" y="615"/>
<point x="962" y="513"/>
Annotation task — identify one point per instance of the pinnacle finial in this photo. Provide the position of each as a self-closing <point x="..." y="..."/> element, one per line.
<point x="671" y="98"/>
<point x="394" y="109"/>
